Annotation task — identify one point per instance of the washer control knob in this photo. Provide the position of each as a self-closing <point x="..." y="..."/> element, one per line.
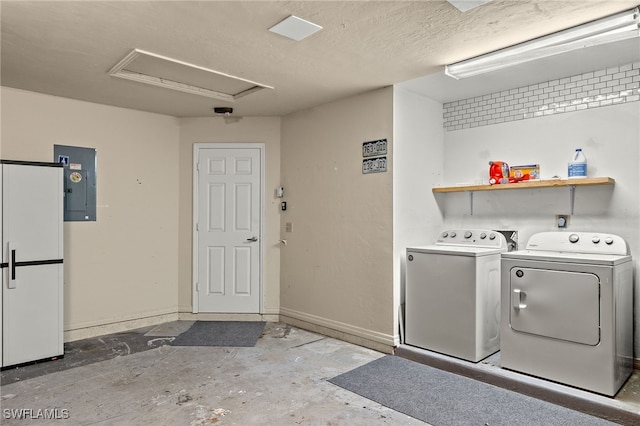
<point x="453" y="234"/>
<point x="410" y="257"/>
<point x="492" y="236"/>
<point x="519" y="273"/>
<point x="467" y="234"/>
<point x="483" y="235"/>
<point x="608" y="240"/>
<point x="445" y="234"/>
<point x="595" y="239"/>
<point x="573" y="238"/>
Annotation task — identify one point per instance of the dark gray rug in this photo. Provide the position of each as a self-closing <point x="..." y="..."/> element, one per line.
<point x="441" y="398"/>
<point x="221" y="333"/>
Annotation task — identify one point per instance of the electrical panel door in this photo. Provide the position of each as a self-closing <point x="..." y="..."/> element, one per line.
<point x="79" y="181"/>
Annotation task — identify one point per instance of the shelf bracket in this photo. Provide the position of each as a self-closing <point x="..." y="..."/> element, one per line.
<point x="471" y="202"/>
<point x="572" y="196"/>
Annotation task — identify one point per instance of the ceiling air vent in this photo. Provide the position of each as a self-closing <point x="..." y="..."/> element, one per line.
<point x="157" y="70"/>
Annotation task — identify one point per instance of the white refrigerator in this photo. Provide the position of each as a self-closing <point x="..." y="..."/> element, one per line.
<point x="32" y="261"/>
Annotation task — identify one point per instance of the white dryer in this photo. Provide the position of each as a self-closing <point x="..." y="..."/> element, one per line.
<point x="567" y="310"/>
<point x="452" y="294"/>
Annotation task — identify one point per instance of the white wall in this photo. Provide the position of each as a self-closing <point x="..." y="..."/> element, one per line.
<point x="123" y="266"/>
<point x="610" y="138"/>
<point x="418" y="167"/>
<point x="337" y="268"/>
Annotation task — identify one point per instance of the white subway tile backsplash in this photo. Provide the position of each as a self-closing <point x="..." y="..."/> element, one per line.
<point x="596" y="89"/>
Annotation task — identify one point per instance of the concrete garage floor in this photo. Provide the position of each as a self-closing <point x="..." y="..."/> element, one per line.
<point x="136" y="378"/>
<point x="280" y="381"/>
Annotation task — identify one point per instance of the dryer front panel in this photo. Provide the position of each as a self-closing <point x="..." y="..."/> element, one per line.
<point x="555" y="304"/>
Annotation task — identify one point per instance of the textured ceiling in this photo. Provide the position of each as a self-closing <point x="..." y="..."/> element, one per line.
<point x="67" y="48"/>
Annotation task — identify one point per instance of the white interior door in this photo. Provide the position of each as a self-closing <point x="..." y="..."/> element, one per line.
<point x="227" y="236"/>
<point x="32" y="251"/>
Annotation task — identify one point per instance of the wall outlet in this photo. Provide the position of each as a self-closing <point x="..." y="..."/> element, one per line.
<point x="562" y="220"/>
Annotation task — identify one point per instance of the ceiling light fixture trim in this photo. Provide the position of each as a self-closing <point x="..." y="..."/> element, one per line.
<point x="295" y="28"/>
<point x="242" y="87"/>
<point x="465" y="5"/>
<point x="613" y="28"/>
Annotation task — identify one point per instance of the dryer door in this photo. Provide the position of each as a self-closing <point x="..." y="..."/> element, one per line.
<point x="556" y="304"/>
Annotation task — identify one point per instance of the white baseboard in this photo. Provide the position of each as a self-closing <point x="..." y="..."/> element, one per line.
<point x="87" y="332"/>
<point x="93" y="329"/>
<point x="360" y="336"/>
<point x="188" y="316"/>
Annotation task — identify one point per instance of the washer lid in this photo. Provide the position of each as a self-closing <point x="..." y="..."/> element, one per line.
<point x="566" y="257"/>
<point x="456" y="250"/>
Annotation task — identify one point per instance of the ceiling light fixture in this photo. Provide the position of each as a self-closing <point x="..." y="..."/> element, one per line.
<point x="616" y="27"/>
<point x="295" y="28"/>
<point x="465" y="5"/>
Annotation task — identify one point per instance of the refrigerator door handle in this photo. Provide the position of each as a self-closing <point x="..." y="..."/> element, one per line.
<point x="12" y="267"/>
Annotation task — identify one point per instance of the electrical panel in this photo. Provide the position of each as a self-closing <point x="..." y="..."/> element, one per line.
<point x="80" y="166"/>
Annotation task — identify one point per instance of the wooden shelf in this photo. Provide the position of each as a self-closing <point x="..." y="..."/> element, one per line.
<point x="549" y="183"/>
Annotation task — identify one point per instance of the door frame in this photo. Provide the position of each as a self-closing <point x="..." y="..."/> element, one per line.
<point x="194" y="253"/>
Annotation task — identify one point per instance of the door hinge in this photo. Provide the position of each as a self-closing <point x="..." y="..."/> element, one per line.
<point x="197" y="227"/>
<point x="197" y="287"/>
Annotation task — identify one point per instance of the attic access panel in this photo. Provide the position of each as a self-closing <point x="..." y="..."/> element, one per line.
<point x="162" y="71"/>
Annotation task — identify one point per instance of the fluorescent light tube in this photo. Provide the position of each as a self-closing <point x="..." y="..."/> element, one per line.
<point x="613" y="28"/>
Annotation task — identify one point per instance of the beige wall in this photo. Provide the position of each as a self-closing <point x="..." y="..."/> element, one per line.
<point x="231" y="130"/>
<point x="337" y="268"/>
<point x="122" y="266"/>
<point x="135" y="261"/>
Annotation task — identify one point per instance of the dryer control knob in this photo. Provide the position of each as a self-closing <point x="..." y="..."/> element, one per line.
<point x="445" y="234"/>
<point x="467" y="234"/>
<point x="483" y="235"/>
<point x="574" y="238"/>
<point x="410" y="257"/>
<point x="453" y="235"/>
<point x="492" y="236"/>
<point x="595" y="240"/>
<point x="608" y="240"/>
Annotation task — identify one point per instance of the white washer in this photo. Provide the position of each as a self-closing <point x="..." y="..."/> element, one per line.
<point x="452" y="294"/>
<point x="567" y="311"/>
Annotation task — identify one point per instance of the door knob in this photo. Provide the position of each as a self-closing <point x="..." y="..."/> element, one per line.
<point x="252" y="239"/>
